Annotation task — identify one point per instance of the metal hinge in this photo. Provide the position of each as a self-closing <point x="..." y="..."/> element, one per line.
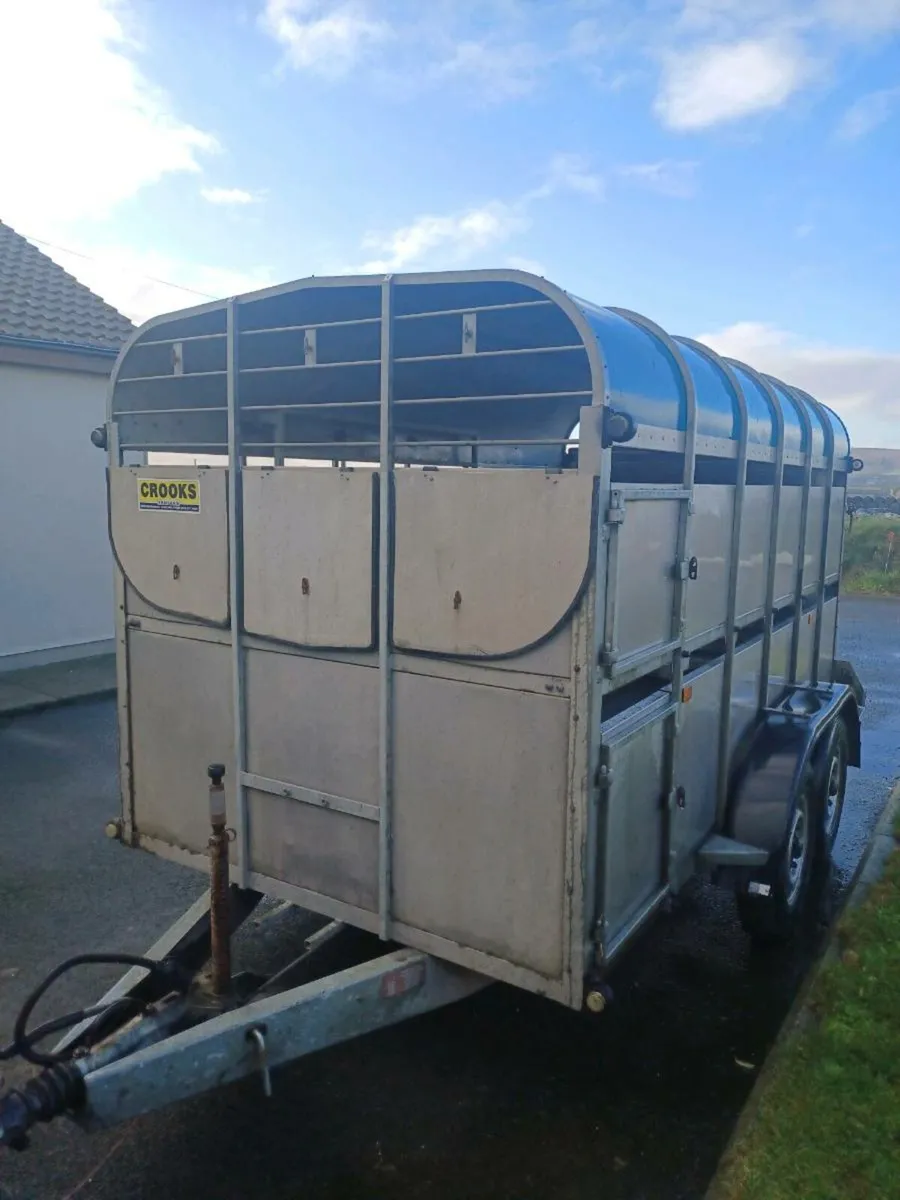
<point x="607" y="655"/>
<point x="615" y="514"/>
<point x="604" y="773"/>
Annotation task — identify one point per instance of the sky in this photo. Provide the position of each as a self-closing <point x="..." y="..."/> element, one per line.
<point x="730" y="168"/>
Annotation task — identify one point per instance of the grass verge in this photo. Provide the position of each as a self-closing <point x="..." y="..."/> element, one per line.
<point x="827" y="1124"/>
<point x="869" y="565"/>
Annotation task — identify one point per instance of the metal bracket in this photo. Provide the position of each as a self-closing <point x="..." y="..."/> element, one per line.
<point x="720" y="851"/>
<point x="470" y="333"/>
<point x="615" y="514"/>
<point x="608" y="656"/>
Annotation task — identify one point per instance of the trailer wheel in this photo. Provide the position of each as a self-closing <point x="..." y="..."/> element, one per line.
<point x="771" y="904"/>
<point x="832" y="772"/>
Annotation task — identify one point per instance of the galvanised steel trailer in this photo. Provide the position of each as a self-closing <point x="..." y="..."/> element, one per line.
<point x="503" y="615"/>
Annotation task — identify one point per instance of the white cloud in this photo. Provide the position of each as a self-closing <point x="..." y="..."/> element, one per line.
<point x="569" y="173"/>
<point x="503" y="71"/>
<point x="587" y="37"/>
<point x="671" y="177"/>
<point x="863" y="16"/>
<point x="142" y="283"/>
<point x="868" y="113"/>
<point x="91" y="129"/>
<point x="720" y="82"/>
<point x="455" y="237"/>
<point x="862" y="385"/>
<point x="326" y="38"/>
<point x="223" y="195"/>
<point x="433" y="240"/>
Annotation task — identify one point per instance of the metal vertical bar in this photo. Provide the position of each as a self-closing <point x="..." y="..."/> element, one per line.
<point x="679" y="615"/>
<point x="826" y="523"/>
<point x="596" y="460"/>
<point x="123" y="686"/>
<point x="679" y="591"/>
<point x="385" y="606"/>
<point x="740" y="488"/>
<point x="236" y="591"/>
<point x="840" y="557"/>
<point x="281" y="438"/>
<point x="772" y="560"/>
<point x="801" y="549"/>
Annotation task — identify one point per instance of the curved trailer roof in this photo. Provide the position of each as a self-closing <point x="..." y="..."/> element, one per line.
<point x="501" y="359"/>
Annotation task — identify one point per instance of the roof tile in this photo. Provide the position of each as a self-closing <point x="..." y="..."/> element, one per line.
<point x="38" y="299"/>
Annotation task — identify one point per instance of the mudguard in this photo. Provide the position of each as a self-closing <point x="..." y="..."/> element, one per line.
<point x="780" y="753"/>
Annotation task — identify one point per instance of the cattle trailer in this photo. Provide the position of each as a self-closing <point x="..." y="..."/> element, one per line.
<point x="493" y="617"/>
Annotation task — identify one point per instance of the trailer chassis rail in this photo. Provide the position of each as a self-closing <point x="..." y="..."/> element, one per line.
<point x="183" y="1045"/>
<point x="269" y="1032"/>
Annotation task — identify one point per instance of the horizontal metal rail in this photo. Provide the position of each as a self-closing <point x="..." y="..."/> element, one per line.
<point x="169" y="412"/>
<point x="193" y="337"/>
<point x="360" y="362"/>
<point x="374" y="362"/>
<point x="651" y="491"/>
<point x="305" y="795"/>
<point x="315" y="366"/>
<point x="312" y="325"/>
<point x="445" y="312"/>
<point x="171" y="375"/>
<point x="314" y="406"/>
<point x="424" y="443"/>
<point x="474" y="308"/>
<point x="173" y="447"/>
<point x="492" y="353"/>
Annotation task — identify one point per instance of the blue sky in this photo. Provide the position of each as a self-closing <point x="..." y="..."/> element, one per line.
<point x="731" y="169"/>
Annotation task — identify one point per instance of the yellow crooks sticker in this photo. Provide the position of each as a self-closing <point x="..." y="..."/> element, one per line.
<point x="169" y="495"/>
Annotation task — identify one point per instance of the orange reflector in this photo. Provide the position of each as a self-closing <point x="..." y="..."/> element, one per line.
<point x="809" y="619"/>
<point x="686" y="693"/>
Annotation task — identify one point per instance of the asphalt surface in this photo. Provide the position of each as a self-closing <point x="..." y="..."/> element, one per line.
<point x="503" y="1095"/>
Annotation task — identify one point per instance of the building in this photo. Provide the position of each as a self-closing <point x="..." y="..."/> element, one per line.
<point x="58" y="344"/>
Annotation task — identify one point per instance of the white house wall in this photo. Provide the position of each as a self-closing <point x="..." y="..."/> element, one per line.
<point x="56" y="595"/>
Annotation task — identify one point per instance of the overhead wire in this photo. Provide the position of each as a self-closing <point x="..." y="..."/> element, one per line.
<point x="141" y="274"/>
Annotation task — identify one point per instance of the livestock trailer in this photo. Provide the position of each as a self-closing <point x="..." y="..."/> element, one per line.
<point x="502" y="616"/>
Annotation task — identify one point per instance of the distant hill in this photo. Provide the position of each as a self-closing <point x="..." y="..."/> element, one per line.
<point x="881" y="473"/>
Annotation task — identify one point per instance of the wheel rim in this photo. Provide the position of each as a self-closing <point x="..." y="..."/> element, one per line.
<point x="797" y="850"/>
<point x="833" y="792"/>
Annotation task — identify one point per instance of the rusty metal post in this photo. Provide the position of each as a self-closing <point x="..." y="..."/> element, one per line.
<point x="219" y="904"/>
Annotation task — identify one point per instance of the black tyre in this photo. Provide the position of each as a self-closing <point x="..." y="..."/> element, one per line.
<point x="772" y="905"/>
<point x="831" y="783"/>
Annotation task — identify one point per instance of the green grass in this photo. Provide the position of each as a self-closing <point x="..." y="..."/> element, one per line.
<point x="827" y="1126"/>
<point x="865" y="552"/>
